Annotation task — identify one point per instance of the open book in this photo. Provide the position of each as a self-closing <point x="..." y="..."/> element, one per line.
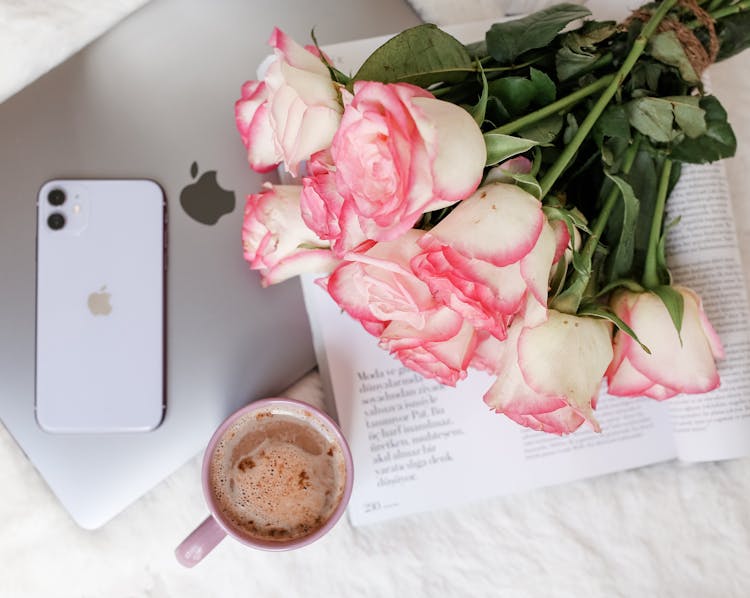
<point x="418" y="445"/>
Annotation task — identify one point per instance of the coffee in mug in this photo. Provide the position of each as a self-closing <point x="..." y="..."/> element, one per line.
<point x="276" y="475"/>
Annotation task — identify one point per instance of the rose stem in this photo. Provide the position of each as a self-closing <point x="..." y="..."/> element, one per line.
<point x="731" y="10"/>
<point x="650" y="274"/>
<point x="585" y="128"/>
<point x="569" y="300"/>
<point x="727" y="11"/>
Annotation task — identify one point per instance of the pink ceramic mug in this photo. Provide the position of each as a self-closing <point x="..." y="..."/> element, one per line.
<point x="215" y="527"/>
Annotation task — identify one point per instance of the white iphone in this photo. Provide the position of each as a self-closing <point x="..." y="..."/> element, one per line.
<point x="100" y="324"/>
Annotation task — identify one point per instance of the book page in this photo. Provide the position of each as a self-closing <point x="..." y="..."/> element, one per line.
<point x="703" y="253"/>
<point x="419" y="446"/>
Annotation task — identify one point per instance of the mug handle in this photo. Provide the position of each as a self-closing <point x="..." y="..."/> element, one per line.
<point x="200" y="542"/>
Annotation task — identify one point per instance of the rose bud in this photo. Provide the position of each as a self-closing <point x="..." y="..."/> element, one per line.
<point x="548" y="376"/>
<point x="678" y="363"/>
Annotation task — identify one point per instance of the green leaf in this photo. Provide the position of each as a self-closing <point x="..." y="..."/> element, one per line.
<point x="501" y="147"/>
<point x="568" y="63"/>
<point x="581" y="264"/>
<point x="579" y="51"/>
<point x="626" y="283"/>
<point x="569" y="299"/>
<point x="571" y="129"/>
<point x="675" y="304"/>
<point x="480" y="110"/>
<point x="336" y="74"/>
<point x="572" y="218"/>
<point x="666" y="48"/>
<point x="716" y="143"/>
<point x="557" y="278"/>
<point x="598" y="311"/>
<point x="506" y="41"/>
<point x="477" y="50"/>
<point x="661" y="252"/>
<point x="653" y="73"/>
<point x="543" y="131"/>
<point x="422" y="55"/>
<point x="656" y="117"/>
<point x="496" y="112"/>
<point x="528" y="183"/>
<point x="643" y="178"/>
<point x="612" y="123"/>
<point x="516" y="93"/>
<point x="587" y="37"/>
<point x="653" y="117"/>
<point x="621" y="254"/>
<point x="544" y="87"/>
<point x="688" y="115"/>
<point x="733" y="34"/>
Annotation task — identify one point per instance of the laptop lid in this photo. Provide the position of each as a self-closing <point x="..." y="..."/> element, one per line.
<point x="148" y="100"/>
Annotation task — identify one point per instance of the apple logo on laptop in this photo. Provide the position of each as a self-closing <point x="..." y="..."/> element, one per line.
<point x="98" y="302"/>
<point x="204" y="200"/>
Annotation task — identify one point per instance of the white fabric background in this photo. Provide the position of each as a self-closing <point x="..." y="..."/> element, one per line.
<point x="667" y="530"/>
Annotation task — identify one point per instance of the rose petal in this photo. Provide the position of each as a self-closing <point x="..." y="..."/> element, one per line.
<point x="443" y="324"/>
<point x="461" y="155"/>
<point x="488" y="353"/>
<point x="713" y="339"/>
<point x="510" y="393"/>
<point x="311" y="260"/>
<point x="691" y="367"/>
<point x="253" y="123"/>
<point x="562" y="421"/>
<point x="295" y="54"/>
<point x="499" y="224"/>
<point x="546" y="353"/>
<point x="536" y="265"/>
<point x="626" y="381"/>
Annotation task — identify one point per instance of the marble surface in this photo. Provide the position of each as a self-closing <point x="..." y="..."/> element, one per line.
<point x="667" y="530"/>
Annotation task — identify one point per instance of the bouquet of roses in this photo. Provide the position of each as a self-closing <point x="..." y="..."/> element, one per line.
<point x="500" y="205"/>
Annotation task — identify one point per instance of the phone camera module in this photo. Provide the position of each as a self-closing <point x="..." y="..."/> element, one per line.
<point x="56" y="197"/>
<point x="56" y="221"/>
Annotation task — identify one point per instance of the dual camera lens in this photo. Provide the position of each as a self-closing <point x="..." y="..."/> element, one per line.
<point x="56" y="220"/>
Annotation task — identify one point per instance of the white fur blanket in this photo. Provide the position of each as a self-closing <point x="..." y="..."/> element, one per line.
<point x="667" y="530"/>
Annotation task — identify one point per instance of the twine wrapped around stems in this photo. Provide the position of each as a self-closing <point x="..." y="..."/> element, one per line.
<point x="700" y="57"/>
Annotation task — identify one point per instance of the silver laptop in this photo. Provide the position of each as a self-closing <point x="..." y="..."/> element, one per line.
<point x="147" y="100"/>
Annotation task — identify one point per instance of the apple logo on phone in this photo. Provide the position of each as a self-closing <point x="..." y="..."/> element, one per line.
<point x="204" y="200"/>
<point x="98" y="302"/>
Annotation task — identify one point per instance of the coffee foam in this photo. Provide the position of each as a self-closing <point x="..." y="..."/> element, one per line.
<point x="276" y="476"/>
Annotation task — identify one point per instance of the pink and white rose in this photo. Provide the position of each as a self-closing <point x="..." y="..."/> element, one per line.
<point x="377" y="288"/>
<point x="293" y="113"/>
<point x="490" y="258"/>
<point x="548" y="376"/>
<point x="276" y="241"/>
<point x="324" y="209"/>
<point x="674" y="366"/>
<point x="398" y="153"/>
